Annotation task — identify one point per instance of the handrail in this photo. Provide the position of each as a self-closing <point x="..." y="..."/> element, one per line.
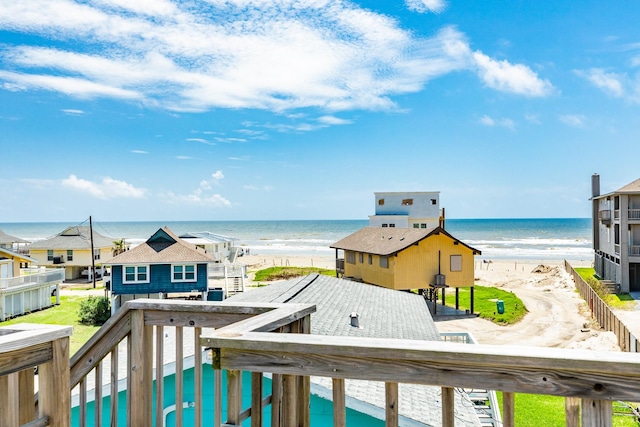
<point x="552" y="371"/>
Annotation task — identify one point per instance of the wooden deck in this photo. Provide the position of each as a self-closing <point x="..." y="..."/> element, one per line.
<point x="274" y="339"/>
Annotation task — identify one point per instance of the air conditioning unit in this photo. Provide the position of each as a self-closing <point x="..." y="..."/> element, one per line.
<point x="440" y="280"/>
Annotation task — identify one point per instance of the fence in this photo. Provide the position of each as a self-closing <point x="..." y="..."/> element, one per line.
<point x="24" y="294"/>
<point x="603" y="313"/>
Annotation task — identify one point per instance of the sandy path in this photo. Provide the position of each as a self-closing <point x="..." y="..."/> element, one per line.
<point x="557" y="316"/>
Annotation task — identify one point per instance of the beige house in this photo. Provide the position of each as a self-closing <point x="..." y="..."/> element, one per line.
<point x="71" y="249"/>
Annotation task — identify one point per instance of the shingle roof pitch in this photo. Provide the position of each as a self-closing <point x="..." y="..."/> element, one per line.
<point x="632" y="187"/>
<point x="383" y="313"/>
<point x="388" y="240"/>
<point x="162" y="248"/>
<point x="76" y="237"/>
<point x="7" y="238"/>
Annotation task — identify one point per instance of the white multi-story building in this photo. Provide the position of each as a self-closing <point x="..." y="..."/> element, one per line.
<point x="414" y="209"/>
<point x="616" y="234"/>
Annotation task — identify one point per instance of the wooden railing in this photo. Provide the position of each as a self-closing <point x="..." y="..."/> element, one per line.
<point x="23" y="348"/>
<point x="590" y="381"/>
<point x="100" y="360"/>
<point x="603" y="314"/>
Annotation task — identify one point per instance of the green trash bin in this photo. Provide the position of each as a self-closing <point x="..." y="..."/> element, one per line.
<point x="500" y="306"/>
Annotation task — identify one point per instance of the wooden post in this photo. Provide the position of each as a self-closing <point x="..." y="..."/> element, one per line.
<point x="159" y="376"/>
<point x="114" y="387"/>
<point x="391" y="396"/>
<point x="276" y="399"/>
<point x="457" y="298"/>
<point x="597" y="413"/>
<point x="448" y="407"/>
<point x="9" y="404"/>
<point x="572" y="411"/>
<point x="97" y="401"/>
<point x="471" y="301"/>
<point x="179" y="377"/>
<point x="217" y="391"/>
<point x="140" y="376"/>
<point x="197" y="373"/>
<point x="234" y="396"/>
<point x="339" y="403"/>
<point x="256" y="399"/>
<point x="508" y="409"/>
<point x="54" y="389"/>
<point x="304" y="382"/>
<point x="289" y="401"/>
<point x="27" y="401"/>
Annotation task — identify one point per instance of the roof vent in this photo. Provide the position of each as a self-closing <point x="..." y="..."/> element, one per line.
<point x="355" y="320"/>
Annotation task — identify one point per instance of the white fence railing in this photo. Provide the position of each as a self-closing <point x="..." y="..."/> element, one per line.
<point x="30" y="292"/>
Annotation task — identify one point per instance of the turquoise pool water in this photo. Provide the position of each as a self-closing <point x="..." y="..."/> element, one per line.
<point x="321" y="409"/>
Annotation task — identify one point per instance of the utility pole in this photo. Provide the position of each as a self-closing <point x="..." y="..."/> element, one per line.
<point x="93" y="257"/>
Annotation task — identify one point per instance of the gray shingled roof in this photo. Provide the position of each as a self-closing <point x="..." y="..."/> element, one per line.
<point x="162" y="248"/>
<point x="389" y="240"/>
<point x="632" y="187"/>
<point x="7" y="238"/>
<point x="383" y="313"/>
<point x="75" y="237"/>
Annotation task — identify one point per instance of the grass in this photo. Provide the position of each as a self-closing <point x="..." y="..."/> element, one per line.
<point x="533" y="410"/>
<point x="620" y="301"/>
<point x="284" y="273"/>
<point x="64" y="314"/>
<point x="485" y="304"/>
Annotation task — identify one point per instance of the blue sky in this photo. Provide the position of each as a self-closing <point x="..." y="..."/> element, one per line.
<point x="241" y="109"/>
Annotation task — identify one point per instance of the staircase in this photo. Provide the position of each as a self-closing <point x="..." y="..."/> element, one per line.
<point x="480" y="400"/>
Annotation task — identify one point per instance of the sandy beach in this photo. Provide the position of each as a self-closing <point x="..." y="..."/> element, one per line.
<point x="557" y="316"/>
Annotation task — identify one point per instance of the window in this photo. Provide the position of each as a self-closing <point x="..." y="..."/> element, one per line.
<point x="136" y="274"/>
<point x="380" y="202"/>
<point x="370" y="259"/>
<point x="407" y="202"/>
<point x="385" y="225"/>
<point x="392" y="225"/>
<point x="416" y="225"/>
<point x="423" y="225"/>
<point x="69" y="255"/>
<point x="183" y="273"/>
<point x="361" y="257"/>
<point x="384" y="262"/>
<point x="456" y="263"/>
<point x="96" y="254"/>
<point x="350" y="257"/>
<point x="433" y="201"/>
<point x="49" y="254"/>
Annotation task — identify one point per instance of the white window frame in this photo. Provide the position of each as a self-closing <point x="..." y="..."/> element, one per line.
<point x="69" y="254"/>
<point x="136" y="274"/>
<point x="96" y="254"/>
<point x="49" y="254"/>
<point x="183" y="273"/>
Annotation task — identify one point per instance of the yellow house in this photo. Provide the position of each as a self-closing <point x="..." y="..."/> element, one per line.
<point x="407" y="258"/>
<point x="10" y="263"/>
<point x="71" y="249"/>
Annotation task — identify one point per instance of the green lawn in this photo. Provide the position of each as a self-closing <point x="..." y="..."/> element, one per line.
<point x="621" y="301"/>
<point x="284" y="273"/>
<point x="64" y="314"/>
<point x="485" y="304"/>
<point x="534" y="410"/>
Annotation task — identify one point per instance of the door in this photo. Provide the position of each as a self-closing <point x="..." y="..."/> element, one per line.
<point x="634" y="277"/>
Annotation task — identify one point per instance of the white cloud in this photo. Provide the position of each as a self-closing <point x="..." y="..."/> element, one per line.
<point x="576" y="120"/>
<point x="200" y="195"/>
<point x="184" y="157"/>
<point x="217" y="175"/>
<point x="533" y="118"/>
<point x="201" y="141"/>
<point x="507" y="77"/>
<point x="333" y="120"/>
<point x="422" y="6"/>
<point x="195" y="56"/>
<point x="108" y="188"/>
<point x="252" y="187"/>
<point x="139" y="152"/>
<point x="610" y="83"/>
<point x="504" y="122"/>
<point x="73" y="112"/>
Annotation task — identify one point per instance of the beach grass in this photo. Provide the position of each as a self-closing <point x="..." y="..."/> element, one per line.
<point x="66" y="313"/>
<point x="534" y="410"/>
<point x="485" y="304"/>
<point x="284" y="273"/>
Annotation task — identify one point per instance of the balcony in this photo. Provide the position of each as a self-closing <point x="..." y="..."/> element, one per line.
<point x="29" y="292"/>
<point x="340" y="266"/>
<point x="273" y="340"/>
<point x="604" y="216"/>
<point x="634" y="250"/>
<point x="634" y="214"/>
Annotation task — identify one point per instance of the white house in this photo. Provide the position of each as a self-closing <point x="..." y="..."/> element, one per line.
<point x="413" y="209"/>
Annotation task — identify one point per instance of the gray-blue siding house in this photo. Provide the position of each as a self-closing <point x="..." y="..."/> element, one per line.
<point x="164" y="264"/>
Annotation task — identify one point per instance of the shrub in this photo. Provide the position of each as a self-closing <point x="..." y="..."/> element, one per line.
<point x="94" y="311"/>
<point x="598" y="287"/>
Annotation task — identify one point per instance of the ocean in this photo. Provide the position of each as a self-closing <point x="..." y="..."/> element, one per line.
<point x="514" y="239"/>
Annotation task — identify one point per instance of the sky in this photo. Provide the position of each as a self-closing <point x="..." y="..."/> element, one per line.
<point x="275" y="109"/>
